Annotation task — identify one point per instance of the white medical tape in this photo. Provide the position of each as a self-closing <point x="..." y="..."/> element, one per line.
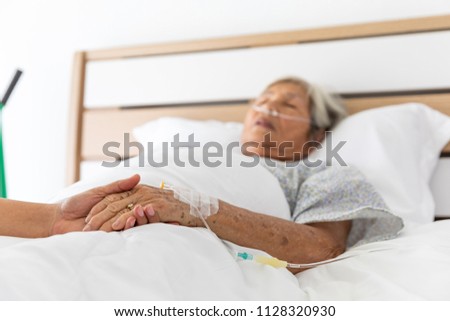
<point x="201" y="205"/>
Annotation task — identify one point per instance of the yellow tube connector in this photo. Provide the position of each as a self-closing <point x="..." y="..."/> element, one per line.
<point x="276" y="263"/>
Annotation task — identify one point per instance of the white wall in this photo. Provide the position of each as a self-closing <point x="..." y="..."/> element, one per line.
<point x="41" y="36"/>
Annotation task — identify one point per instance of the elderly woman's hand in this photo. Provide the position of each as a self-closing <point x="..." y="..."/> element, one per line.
<point x="143" y="205"/>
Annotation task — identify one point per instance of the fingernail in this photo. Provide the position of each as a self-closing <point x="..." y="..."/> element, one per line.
<point x="140" y="211"/>
<point x="87" y="228"/>
<point x="131" y="221"/>
<point x="87" y="219"/>
<point x="149" y="210"/>
<point x="115" y="224"/>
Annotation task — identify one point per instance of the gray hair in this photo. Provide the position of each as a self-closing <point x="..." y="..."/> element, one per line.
<point x="327" y="109"/>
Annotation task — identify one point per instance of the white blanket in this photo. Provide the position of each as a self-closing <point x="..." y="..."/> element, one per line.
<point x="165" y="262"/>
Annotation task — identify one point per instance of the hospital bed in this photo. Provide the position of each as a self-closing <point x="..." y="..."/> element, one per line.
<point x="386" y="72"/>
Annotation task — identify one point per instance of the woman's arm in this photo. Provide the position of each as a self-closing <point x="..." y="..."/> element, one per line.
<point x="286" y="240"/>
<point x="32" y="220"/>
<point x="24" y="219"/>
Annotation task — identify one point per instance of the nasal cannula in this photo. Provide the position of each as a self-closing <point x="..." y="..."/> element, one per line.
<point x="275" y="113"/>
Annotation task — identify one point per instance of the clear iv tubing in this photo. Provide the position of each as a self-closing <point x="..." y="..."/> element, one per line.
<point x="272" y="261"/>
<point x="275" y="113"/>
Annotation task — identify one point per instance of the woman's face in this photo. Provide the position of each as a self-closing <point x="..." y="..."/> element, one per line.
<point x="273" y="136"/>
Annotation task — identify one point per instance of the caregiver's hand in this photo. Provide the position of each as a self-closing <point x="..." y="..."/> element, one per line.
<point x="71" y="213"/>
<point x="144" y="204"/>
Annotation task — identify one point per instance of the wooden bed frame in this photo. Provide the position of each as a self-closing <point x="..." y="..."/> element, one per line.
<point x="91" y="128"/>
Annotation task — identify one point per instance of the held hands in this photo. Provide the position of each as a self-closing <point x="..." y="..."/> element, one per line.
<point x="142" y="205"/>
<point x="71" y="213"/>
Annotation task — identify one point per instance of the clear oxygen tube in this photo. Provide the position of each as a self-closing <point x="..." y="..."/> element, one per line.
<point x="275" y="113"/>
<point x="203" y="206"/>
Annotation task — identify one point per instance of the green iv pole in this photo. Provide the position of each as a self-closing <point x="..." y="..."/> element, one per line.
<point x="3" y="102"/>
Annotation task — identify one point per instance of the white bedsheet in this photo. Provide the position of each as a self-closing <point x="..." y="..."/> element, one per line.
<point x="165" y="262"/>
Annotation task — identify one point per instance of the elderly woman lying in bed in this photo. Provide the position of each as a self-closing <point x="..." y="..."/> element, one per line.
<point x="331" y="208"/>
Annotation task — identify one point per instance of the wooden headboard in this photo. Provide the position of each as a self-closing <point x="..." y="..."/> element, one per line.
<point x="90" y="129"/>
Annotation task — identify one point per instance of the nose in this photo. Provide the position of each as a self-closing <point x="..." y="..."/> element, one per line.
<point x="264" y="110"/>
<point x="272" y="104"/>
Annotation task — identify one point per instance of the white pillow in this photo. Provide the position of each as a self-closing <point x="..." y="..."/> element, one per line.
<point x="164" y="129"/>
<point x="397" y="149"/>
<point x="231" y="182"/>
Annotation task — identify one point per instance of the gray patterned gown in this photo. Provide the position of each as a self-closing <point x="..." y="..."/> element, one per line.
<point x="335" y="194"/>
